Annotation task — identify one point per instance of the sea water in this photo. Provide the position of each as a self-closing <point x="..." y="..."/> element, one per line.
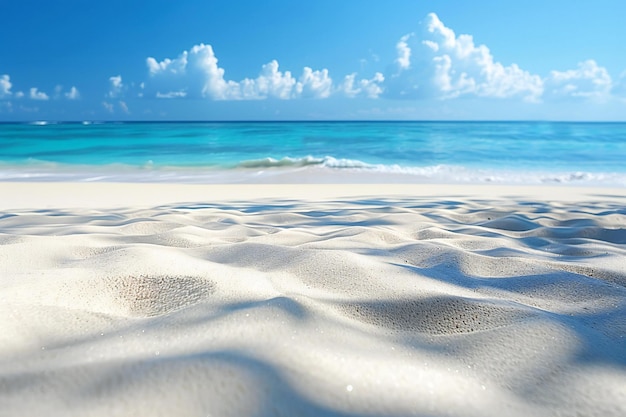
<point x="227" y="152"/>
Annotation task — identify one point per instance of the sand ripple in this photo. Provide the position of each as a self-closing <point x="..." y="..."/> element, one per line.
<point x="343" y="308"/>
<point x="436" y="315"/>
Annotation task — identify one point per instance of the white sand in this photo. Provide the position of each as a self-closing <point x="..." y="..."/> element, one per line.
<point x="304" y="300"/>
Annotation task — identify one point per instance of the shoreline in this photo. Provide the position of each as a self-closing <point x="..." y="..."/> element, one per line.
<point x="335" y="171"/>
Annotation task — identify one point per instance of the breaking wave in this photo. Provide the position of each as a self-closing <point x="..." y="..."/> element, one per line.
<point x="440" y="173"/>
<point x="327" y="161"/>
<point x="289" y="169"/>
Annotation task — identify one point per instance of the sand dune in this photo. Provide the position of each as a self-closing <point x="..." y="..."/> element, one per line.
<point x="439" y="304"/>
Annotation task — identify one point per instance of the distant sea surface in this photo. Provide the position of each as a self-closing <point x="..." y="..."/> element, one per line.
<point x="590" y="154"/>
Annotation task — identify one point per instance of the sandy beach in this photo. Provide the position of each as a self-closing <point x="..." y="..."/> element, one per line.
<point x="311" y="300"/>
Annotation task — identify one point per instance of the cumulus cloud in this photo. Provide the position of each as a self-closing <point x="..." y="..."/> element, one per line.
<point x="588" y="80"/>
<point x="115" y="86"/>
<point x="371" y="88"/>
<point x="194" y="72"/>
<point x="449" y="66"/>
<point x="35" y="94"/>
<point x="270" y="83"/>
<point x="404" y="52"/>
<point x="5" y="86"/>
<point x="316" y="84"/>
<point x="273" y="83"/>
<point x="73" y="94"/>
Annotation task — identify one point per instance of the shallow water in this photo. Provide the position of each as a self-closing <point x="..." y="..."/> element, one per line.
<point x="225" y="152"/>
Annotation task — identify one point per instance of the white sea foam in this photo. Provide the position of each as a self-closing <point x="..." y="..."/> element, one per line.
<point x="327" y="169"/>
<point x="439" y="173"/>
<point x="284" y="162"/>
<point x="327" y="161"/>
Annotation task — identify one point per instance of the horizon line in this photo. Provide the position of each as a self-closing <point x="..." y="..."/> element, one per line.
<point x="104" y="121"/>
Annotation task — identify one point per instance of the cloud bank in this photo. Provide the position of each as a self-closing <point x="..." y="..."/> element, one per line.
<point x="33" y="93"/>
<point x="437" y="64"/>
<point x="197" y="74"/>
<point x="431" y="63"/>
<point x="589" y="80"/>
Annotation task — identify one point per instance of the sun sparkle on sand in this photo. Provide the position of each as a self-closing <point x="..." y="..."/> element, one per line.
<point x="345" y="300"/>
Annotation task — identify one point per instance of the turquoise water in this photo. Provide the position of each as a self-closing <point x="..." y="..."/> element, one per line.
<point x="500" y="152"/>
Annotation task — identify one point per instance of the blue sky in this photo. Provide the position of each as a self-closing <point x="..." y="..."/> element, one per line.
<point x="284" y="60"/>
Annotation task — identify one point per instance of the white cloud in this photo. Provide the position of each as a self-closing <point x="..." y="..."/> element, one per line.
<point x="19" y="94"/>
<point x="449" y="66"/>
<point x="404" y="52"/>
<point x="124" y="107"/>
<point x="589" y="80"/>
<point x="215" y="86"/>
<point x="176" y="66"/>
<point x="73" y="94"/>
<point x="437" y="64"/>
<point x="197" y="73"/>
<point x="270" y="83"/>
<point x="348" y="87"/>
<point x="115" y="86"/>
<point x="5" y="86"/>
<point x="38" y="95"/>
<point x="370" y="88"/>
<point x="447" y="84"/>
<point x="108" y="106"/>
<point x="315" y="84"/>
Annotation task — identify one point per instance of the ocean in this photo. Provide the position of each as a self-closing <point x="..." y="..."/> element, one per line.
<point x="588" y="154"/>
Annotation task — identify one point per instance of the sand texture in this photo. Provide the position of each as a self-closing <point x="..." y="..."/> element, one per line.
<point x="379" y="305"/>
